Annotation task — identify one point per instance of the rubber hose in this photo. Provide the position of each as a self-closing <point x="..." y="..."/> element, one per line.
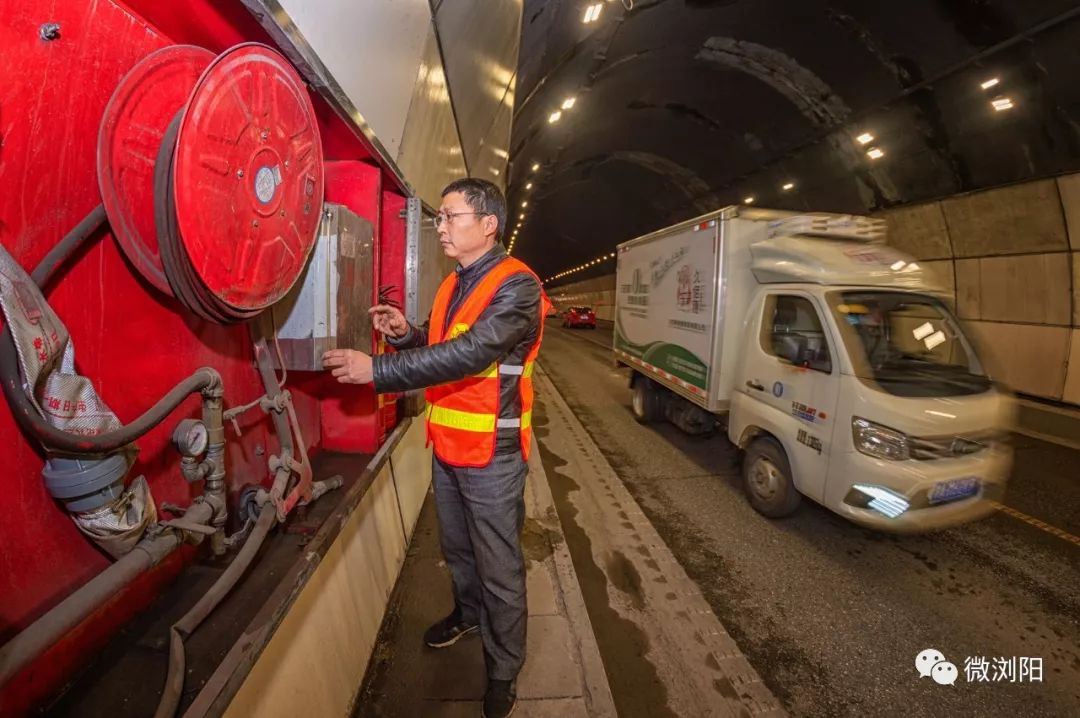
<point x="184" y="280"/>
<point x="67" y="246"/>
<point x="174" y="683"/>
<point x="24" y="411"/>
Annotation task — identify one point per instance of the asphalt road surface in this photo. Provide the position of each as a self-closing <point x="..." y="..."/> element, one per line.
<point x="832" y="616"/>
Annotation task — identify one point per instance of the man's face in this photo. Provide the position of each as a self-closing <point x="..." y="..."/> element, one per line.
<point x="464" y="235"/>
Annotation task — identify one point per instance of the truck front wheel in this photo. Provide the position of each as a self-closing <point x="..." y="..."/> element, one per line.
<point x="645" y="401"/>
<point x="767" y="479"/>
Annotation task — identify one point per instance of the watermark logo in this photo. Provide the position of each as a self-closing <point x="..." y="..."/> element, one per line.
<point x="931" y="663"/>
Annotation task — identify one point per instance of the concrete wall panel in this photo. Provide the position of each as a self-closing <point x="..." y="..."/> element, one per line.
<point x="373" y="49"/>
<point x="335" y="620"/>
<point x="1076" y="289"/>
<point x="1031" y="288"/>
<point x="430" y="156"/>
<point x="1072" y="379"/>
<point x="480" y="50"/>
<point x="411" y="463"/>
<point x="491" y="159"/>
<point x="1028" y="358"/>
<point x="1069" y="189"/>
<point x="919" y="230"/>
<point x="968" y="289"/>
<point x="1010" y="220"/>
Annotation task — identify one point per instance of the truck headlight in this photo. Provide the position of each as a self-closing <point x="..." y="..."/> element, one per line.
<point x="879" y="441"/>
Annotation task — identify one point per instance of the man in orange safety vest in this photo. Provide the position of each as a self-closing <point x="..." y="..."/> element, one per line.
<point x="475" y="355"/>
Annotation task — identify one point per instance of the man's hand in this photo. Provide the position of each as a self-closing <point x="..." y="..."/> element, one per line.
<point x="389" y="321"/>
<point x="349" y="366"/>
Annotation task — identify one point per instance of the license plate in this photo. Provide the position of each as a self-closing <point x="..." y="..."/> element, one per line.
<point x="953" y="490"/>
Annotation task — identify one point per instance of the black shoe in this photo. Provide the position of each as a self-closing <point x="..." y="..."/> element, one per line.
<point x="448" y="631"/>
<point x="500" y="699"/>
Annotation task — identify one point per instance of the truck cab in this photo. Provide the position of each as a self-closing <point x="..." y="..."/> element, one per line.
<point x="858" y="388"/>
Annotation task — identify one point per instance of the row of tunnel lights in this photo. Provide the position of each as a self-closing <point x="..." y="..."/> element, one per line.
<point x="582" y="267"/>
<point x="521" y="217"/>
<point x="592" y="14"/>
<point x="554" y="117"/>
<point x="1000" y="103"/>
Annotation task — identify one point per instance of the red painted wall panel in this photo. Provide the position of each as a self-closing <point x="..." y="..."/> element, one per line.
<point x="132" y="341"/>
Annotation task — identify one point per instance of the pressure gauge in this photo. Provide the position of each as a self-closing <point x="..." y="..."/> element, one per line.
<point x="191" y="437"/>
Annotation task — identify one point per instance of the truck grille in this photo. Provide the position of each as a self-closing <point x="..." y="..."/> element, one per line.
<point x="948" y="447"/>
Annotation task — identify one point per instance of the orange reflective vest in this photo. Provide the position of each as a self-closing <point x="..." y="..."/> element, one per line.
<point x="463" y="416"/>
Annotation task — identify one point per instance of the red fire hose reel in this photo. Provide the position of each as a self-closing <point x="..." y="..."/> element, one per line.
<point x="211" y="172"/>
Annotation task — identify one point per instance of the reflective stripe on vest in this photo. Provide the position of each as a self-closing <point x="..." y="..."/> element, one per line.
<point x="468" y="421"/>
<point x="505" y="370"/>
<point x="516" y="369"/>
<point x="464" y="420"/>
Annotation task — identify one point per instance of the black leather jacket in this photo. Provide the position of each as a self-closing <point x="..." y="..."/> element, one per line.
<point x="505" y="332"/>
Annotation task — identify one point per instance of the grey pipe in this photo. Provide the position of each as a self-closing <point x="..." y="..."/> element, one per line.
<point x="174" y="683"/>
<point x="43" y="633"/>
<point x="214" y="488"/>
<point x="265" y="366"/>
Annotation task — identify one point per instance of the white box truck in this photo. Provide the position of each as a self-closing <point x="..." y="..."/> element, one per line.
<point x="833" y="360"/>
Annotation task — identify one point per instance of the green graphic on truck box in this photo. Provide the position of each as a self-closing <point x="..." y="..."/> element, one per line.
<point x="672" y="358"/>
<point x="664" y="304"/>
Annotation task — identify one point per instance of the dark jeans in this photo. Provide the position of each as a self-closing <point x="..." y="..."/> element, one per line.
<point x="481" y="513"/>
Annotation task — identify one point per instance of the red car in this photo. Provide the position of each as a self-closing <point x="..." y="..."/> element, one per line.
<point x="580" y="317"/>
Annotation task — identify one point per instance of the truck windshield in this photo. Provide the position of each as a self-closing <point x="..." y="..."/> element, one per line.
<point x="909" y="344"/>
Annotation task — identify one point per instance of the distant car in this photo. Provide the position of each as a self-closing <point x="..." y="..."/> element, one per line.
<point x="579" y="317"/>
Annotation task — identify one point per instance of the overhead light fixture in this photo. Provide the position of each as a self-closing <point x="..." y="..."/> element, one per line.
<point x="1002" y="103"/>
<point x="536" y="166"/>
<point x="554" y="116"/>
<point x="525" y="203"/>
<point x="874" y="153"/>
<point x="865" y="138"/>
<point x="748" y="200"/>
<point x="788" y="187"/>
<point x="592" y="13"/>
<point x="568" y="103"/>
<point x="990" y="83"/>
<point x="522" y="216"/>
<point x="528" y="186"/>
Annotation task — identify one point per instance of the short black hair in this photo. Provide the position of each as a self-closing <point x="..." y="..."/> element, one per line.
<point x="482" y="197"/>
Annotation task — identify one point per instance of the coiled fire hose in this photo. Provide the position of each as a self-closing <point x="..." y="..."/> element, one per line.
<point x="186" y="286"/>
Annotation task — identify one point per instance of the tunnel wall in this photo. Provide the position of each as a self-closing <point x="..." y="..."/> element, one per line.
<point x="434" y="80"/>
<point x="597" y="292"/>
<point x="1011" y="257"/>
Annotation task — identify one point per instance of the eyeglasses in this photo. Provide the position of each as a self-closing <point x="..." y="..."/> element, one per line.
<point x="441" y="217"/>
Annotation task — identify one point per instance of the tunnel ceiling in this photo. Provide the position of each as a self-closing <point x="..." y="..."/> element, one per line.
<point x="684" y="106"/>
